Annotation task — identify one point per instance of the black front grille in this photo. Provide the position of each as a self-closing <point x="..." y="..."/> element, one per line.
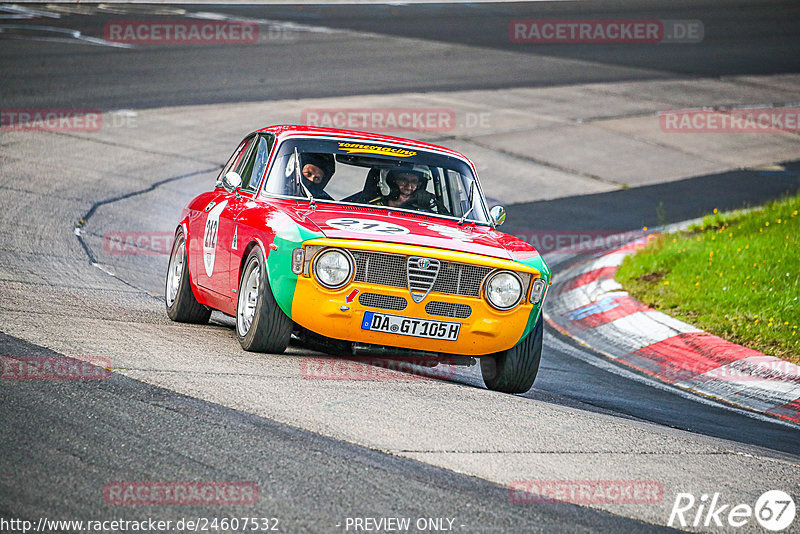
<point x="384" y="302"/>
<point x="391" y="270"/>
<point x="448" y="309"/>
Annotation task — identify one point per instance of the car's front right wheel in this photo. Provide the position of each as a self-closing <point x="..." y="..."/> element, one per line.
<point x="261" y="326"/>
<point x="514" y="370"/>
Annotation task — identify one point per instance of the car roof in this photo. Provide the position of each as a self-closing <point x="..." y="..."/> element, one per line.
<point x="282" y="130"/>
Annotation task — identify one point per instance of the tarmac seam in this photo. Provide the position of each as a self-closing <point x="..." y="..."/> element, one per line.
<point x="85" y="219"/>
<point x="129" y="147"/>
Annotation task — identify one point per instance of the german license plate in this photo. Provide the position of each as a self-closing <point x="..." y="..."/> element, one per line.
<point x="409" y="326"/>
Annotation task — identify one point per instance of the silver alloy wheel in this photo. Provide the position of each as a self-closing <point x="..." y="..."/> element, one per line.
<point x="248" y="298"/>
<point x="175" y="273"/>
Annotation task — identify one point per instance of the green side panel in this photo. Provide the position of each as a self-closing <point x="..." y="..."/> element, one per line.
<point x="279" y="263"/>
<point x="539" y="264"/>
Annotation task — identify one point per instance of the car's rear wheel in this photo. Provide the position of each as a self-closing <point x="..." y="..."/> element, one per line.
<point x="261" y="325"/>
<point x="514" y="370"/>
<point x="182" y="306"/>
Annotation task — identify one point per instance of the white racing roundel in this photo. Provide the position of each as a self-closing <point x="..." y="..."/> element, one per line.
<point x="367" y="226"/>
<point x="210" y="237"/>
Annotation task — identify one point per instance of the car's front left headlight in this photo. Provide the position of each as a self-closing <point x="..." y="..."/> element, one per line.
<point x="333" y="268"/>
<point x="503" y="290"/>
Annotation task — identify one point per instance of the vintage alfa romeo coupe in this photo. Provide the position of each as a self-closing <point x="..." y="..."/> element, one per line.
<point x="374" y="244"/>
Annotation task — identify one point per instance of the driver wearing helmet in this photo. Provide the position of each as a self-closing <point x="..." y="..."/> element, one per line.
<point x="316" y="171"/>
<point x="407" y="190"/>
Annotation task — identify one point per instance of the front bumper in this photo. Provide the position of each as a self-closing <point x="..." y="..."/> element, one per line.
<point x="339" y="313"/>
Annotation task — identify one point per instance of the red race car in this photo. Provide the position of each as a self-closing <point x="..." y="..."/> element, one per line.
<point x="373" y="244"/>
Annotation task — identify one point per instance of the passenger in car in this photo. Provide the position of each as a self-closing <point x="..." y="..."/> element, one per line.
<point x="407" y="190"/>
<point x="402" y="186"/>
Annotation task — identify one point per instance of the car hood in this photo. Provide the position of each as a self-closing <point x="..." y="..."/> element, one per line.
<point x="373" y="224"/>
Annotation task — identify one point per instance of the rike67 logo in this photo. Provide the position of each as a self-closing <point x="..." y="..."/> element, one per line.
<point x="774" y="510"/>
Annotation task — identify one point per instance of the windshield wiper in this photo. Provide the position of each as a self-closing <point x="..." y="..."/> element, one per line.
<point x="312" y="204"/>
<point x="471" y="205"/>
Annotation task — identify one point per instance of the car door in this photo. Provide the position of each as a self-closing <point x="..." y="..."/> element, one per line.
<point x="252" y="172"/>
<point x="206" y="247"/>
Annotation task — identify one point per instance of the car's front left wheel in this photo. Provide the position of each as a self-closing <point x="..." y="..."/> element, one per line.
<point x="261" y="326"/>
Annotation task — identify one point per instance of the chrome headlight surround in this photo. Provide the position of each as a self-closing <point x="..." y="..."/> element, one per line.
<point x="493" y="285"/>
<point x="330" y="260"/>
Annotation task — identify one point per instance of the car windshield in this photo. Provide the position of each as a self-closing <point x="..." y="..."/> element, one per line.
<point x="377" y="174"/>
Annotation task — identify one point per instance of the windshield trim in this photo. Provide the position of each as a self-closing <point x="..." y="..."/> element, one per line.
<point x="281" y="139"/>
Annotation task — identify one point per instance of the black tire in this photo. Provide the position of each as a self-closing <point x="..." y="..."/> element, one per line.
<point x="182" y="306"/>
<point x="270" y="330"/>
<point x="514" y="370"/>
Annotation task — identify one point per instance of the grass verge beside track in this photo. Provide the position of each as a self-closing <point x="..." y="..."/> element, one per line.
<point x="737" y="275"/>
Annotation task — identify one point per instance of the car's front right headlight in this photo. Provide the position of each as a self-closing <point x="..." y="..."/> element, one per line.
<point x="503" y="289"/>
<point x="333" y="268"/>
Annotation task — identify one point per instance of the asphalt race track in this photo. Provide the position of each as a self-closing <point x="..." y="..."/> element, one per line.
<point x="185" y="403"/>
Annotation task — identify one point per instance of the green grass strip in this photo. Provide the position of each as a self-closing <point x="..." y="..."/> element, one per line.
<point x="737" y="275"/>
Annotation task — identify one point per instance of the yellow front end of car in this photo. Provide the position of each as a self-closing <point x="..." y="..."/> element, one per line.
<point x="374" y="304"/>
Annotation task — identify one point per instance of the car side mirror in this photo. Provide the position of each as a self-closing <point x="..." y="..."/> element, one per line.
<point x="232" y="181"/>
<point x="498" y="214"/>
